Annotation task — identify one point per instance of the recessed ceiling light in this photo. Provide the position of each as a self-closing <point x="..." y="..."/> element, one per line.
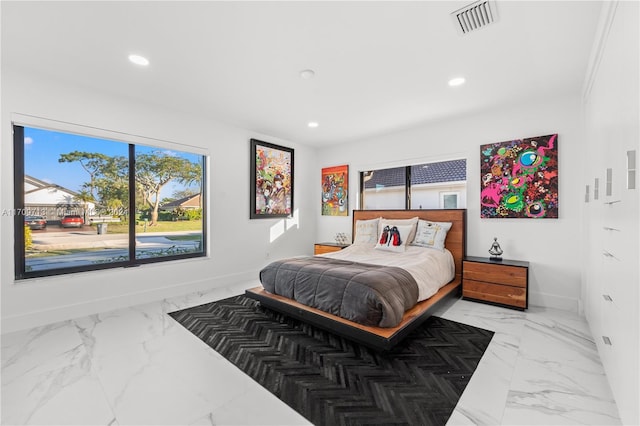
<point x="456" y="81"/>
<point x="312" y="124"/>
<point x="307" y="74"/>
<point x="139" y="60"/>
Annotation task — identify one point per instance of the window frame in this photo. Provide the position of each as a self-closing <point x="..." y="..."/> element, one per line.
<point x="18" y="125"/>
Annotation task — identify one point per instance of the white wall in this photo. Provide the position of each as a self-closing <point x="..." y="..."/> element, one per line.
<point x="550" y="245"/>
<point x="239" y="247"/>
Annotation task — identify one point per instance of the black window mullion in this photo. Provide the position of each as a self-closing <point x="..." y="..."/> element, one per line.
<point x="362" y="190"/>
<point x="132" y="204"/>
<point x="203" y="203"/>
<point x="407" y="188"/>
<point x="18" y="200"/>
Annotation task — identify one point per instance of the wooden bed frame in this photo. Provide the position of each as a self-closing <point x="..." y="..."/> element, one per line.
<point x="377" y="337"/>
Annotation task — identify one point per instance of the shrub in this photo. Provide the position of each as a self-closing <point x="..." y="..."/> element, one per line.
<point x="193" y="214"/>
<point x="28" y="241"/>
<point x="167" y="216"/>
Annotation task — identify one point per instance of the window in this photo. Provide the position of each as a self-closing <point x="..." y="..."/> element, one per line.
<point x="449" y="200"/>
<point x="440" y="185"/>
<point x="85" y="203"/>
<point x="384" y="189"/>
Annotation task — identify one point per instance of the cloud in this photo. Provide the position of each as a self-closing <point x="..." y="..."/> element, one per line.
<point x="28" y="140"/>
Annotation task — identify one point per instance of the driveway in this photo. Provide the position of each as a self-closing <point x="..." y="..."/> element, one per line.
<point x="79" y="239"/>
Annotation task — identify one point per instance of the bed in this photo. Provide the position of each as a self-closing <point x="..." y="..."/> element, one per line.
<point x="345" y="272"/>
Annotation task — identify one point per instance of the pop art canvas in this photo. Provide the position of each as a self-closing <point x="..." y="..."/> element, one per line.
<point x="271" y="180"/>
<point x="335" y="191"/>
<point x="519" y="178"/>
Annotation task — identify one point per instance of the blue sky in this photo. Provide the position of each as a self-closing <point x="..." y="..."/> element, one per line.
<point x="42" y="150"/>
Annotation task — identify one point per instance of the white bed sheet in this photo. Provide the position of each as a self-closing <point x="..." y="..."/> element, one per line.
<point x="431" y="268"/>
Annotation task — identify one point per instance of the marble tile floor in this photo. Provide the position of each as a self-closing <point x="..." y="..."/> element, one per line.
<point x="137" y="366"/>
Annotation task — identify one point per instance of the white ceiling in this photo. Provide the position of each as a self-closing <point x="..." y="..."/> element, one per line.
<point x="380" y="66"/>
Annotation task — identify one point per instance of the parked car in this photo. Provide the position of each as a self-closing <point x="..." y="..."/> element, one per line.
<point x="35" y="222"/>
<point x="72" y="221"/>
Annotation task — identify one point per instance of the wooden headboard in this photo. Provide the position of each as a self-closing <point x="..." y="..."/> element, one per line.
<point x="456" y="237"/>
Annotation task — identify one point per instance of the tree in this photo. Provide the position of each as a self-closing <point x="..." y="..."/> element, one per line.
<point x="183" y="193"/>
<point x="92" y="162"/>
<point x="84" y="197"/>
<point x="113" y="185"/>
<point x="108" y="179"/>
<point x="155" y="170"/>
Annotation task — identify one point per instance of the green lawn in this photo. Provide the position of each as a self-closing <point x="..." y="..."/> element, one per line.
<point x="180" y="225"/>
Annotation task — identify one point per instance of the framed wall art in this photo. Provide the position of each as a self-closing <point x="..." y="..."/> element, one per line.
<point x="271" y="180"/>
<point x="519" y="178"/>
<point x="335" y="191"/>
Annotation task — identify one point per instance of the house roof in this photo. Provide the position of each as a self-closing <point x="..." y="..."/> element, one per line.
<point x="192" y="201"/>
<point x="41" y="184"/>
<point x="444" y="171"/>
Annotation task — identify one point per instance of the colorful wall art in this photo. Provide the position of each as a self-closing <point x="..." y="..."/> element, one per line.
<point x="271" y="180"/>
<point x="335" y="191"/>
<point x="519" y="178"/>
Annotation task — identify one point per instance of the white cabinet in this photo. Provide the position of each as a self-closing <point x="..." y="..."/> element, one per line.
<point x="612" y="292"/>
<point x="611" y="240"/>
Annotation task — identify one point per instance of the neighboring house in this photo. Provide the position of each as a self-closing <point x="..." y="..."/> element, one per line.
<point x="192" y="202"/>
<point x="52" y="201"/>
<point x="438" y="185"/>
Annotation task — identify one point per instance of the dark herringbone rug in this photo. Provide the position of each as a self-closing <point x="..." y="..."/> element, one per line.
<point x="332" y="381"/>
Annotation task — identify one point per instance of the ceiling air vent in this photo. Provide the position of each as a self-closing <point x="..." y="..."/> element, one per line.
<point x="474" y="16"/>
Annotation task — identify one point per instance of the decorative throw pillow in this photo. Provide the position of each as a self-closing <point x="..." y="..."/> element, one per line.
<point x="413" y="222"/>
<point x="366" y="231"/>
<point x="393" y="237"/>
<point x="431" y="234"/>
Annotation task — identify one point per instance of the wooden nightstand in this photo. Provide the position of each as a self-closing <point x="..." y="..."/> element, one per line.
<point x="504" y="283"/>
<point x="321" y="248"/>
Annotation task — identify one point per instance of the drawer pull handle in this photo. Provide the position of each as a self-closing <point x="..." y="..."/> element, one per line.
<point x="607" y="298"/>
<point x="606" y="340"/>
<point x="612" y="202"/>
<point x="608" y="228"/>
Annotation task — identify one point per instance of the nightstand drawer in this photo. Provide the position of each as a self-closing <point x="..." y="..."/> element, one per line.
<point x="496" y="293"/>
<point x="496" y="273"/>
<point x="322" y="248"/>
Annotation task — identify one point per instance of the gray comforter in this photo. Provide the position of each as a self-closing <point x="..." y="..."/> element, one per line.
<point x="368" y="294"/>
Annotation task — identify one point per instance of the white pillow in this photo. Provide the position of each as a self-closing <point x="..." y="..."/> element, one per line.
<point x="366" y="231"/>
<point x="431" y="234"/>
<point x="393" y="237"/>
<point x="391" y="222"/>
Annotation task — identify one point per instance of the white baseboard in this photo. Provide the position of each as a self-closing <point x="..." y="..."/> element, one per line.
<point x="67" y="312"/>
<point x="554" y="301"/>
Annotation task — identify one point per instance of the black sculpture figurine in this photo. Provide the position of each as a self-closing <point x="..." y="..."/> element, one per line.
<point x="495" y="251"/>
